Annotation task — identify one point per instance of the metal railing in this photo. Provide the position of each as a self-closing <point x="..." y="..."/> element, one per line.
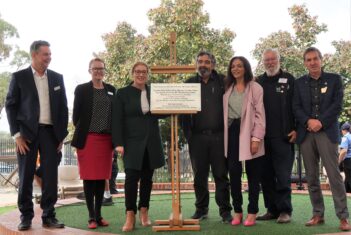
<point x="7" y="148"/>
<point x="7" y="151"/>
<point x="68" y="153"/>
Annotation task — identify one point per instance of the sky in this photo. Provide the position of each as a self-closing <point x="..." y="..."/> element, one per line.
<point x="75" y="28"/>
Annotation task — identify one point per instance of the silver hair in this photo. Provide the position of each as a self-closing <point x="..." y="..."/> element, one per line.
<point x="274" y="50"/>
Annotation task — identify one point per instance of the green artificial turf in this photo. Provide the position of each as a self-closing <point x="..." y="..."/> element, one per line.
<point x="160" y="207"/>
<point x="6" y="209"/>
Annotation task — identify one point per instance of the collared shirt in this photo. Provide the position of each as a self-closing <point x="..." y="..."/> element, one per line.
<point x="145" y="107"/>
<point x="346" y="144"/>
<point x="315" y="88"/>
<point x="41" y="82"/>
<point x="211" y="116"/>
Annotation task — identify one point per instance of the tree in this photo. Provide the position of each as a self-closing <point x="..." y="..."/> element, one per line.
<point x="20" y="57"/>
<point x="4" y="83"/>
<point x="305" y="26"/>
<point x="6" y="31"/>
<point x="185" y="17"/>
<point x="123" y="47"/>
<point x="340" y="62"/>
<point x="291" y="47"/>
<point x="290" y="55"/>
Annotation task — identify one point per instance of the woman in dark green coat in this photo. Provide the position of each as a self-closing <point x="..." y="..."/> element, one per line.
<point x="136" y="136"/>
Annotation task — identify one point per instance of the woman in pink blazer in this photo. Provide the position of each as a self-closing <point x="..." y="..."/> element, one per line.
<point x="244" y="129"/>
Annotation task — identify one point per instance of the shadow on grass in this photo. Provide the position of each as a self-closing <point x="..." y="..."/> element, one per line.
<point x="160" y="208"/>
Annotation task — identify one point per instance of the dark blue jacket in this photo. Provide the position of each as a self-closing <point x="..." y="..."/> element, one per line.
<point x="22" y="104"/>
<point x="330" y="105"/>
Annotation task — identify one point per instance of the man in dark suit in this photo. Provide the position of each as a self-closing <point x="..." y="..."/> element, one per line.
<point x="37" y="113"/>
<point x="317" y="103"/>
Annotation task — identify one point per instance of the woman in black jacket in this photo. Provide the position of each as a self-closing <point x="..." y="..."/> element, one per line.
<point x="92" y="137"/>
<point x="136" y="136"/>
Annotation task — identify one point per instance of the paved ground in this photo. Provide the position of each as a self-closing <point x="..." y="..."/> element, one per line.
<point x="8" y="196"/>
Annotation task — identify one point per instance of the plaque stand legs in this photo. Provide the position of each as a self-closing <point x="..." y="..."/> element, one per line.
<point x="176" y="221"/>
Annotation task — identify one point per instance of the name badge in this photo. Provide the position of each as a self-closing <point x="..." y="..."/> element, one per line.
<point x="110" y="93"/>
<point x="56" y="88"/>
<point x="282" y="80"/>
<point x="324" y="89"/>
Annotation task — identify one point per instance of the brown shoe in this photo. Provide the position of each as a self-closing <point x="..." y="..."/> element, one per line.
<point x="267" y="216"/>
<point x="144" y="217"/>
<point x="284" y="218"/>
<point x="344" y="225"/>
<point x="315" y="220"/>
<point x="130" y="222"/>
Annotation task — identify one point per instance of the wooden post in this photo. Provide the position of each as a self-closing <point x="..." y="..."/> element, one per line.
<point x="175" y="221"/>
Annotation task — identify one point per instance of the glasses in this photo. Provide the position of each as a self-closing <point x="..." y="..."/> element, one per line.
<point x="140" y="72"/>
<point x="98" y="69"/>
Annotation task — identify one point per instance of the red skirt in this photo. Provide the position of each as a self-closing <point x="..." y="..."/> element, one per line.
<point x="95" y="159"/>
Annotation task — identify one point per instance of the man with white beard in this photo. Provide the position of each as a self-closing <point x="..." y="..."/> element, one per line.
<point x="280" y="136"/>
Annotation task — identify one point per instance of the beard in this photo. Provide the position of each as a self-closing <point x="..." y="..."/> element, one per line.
<point x="272" y="71"/>
<point x="204" y="72"/>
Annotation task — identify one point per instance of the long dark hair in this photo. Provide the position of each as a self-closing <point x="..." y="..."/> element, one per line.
<point x="248" y="75"/>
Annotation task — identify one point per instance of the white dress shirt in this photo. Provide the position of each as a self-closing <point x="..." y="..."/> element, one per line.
<point x="145" y="107"/>
<point x="41" y="82"/>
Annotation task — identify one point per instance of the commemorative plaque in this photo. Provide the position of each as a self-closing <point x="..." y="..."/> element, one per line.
<point x="175" y="98"/>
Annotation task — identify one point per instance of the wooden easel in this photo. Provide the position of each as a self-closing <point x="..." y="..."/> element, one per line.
<point x="175" y="221"/>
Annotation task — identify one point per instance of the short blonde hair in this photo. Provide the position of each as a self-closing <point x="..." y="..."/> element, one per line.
<point x="96" y="60"/>
<point x="140" y="63"/>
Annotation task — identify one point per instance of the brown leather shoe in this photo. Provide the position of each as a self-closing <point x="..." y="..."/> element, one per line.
<point x="344" y="225"/>
<point x="315" y="220"/>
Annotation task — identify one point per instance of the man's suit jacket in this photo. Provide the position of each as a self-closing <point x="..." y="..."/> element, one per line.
<point x="83" y="110"/>
<point x="331" y="99"/>
<point x="22" y="104"/>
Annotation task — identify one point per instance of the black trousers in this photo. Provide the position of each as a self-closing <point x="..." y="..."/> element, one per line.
<point x="145" y="186"/>
<point x="207" y="150"/>
<point x="347" y="171"/>
<point x="94" y="193"/>
<point x="253" y="172"/>
<point x="114" y="173"/>
<point x="38" y="172"/>
<point x="46" y="143"/>
<point x="276" y="175"/>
